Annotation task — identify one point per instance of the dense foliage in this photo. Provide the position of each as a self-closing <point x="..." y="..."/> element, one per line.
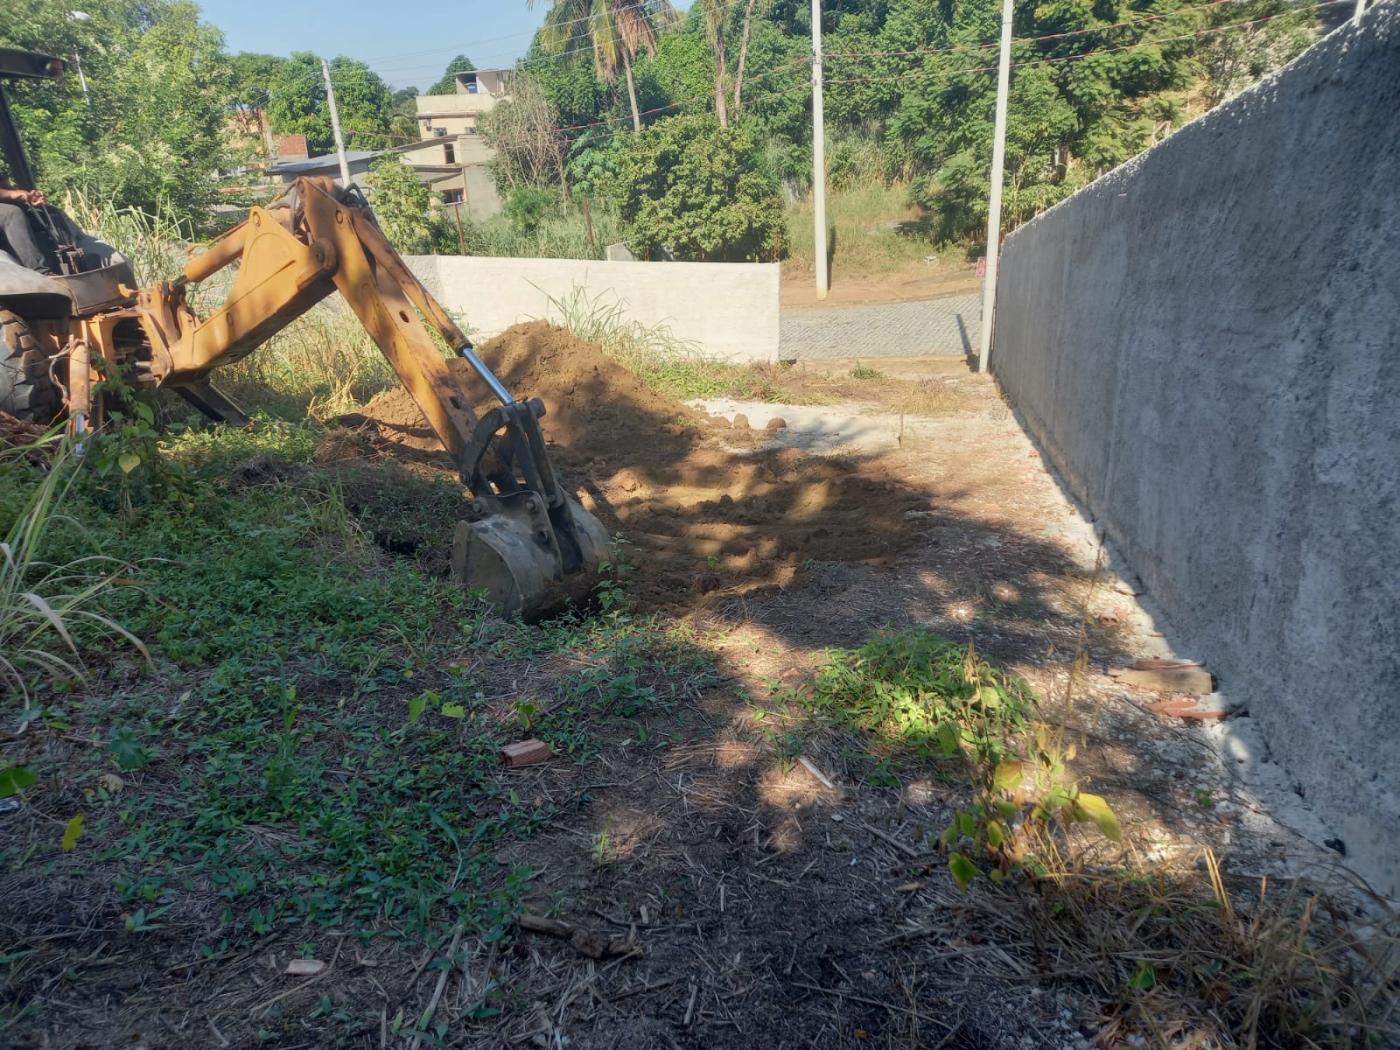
<point x="149" y="129"/>
<point x="910" y="88"/>
<point x="693" y="190"/>
<point x="403" y="206"/>
<point x="297" y="103"/>
<point x="1092" y="85"/>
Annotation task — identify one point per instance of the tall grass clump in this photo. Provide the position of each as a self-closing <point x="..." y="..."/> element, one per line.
<point x="47" y="608"/>
<point x="561" y="233"/>
<point x="322" y="365"/>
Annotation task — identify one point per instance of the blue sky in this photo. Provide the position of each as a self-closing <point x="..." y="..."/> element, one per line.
<point x="407" y="42"/>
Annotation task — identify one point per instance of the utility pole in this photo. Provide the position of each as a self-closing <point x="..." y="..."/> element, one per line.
<point x="989" y="288"/>
<point x="818" y="152"/>
<point x="1360" y="10"/>
<point x="335" y="125"/>
<point x="87" y="99"/>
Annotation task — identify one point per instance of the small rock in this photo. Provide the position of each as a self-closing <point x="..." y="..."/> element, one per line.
<point x="776" y="423"/>
<point x="741" y="421"/>
<point x="305" y="967"/>
<point x="720" y="423"/>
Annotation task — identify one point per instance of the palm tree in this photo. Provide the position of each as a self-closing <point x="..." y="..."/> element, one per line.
<point x="617" y="31"/>
<point x="714" y="24"/>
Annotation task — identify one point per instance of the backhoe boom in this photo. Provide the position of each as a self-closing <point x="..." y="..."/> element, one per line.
<point x="529" y="543"/>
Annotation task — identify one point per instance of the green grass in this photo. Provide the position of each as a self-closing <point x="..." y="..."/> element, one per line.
<point x="563" y="234"/>
<point x="872" y="229"/>
<point x="313" y="751"/>
<point x="861" y="371"/>
<point x="921" y="694"/>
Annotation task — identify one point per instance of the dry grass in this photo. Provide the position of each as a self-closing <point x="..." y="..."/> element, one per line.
<point x="1197" y="958"/>
<point x="323" y="365"/>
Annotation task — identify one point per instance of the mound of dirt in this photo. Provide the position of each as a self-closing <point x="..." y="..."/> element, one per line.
<point x="707" y="510"/>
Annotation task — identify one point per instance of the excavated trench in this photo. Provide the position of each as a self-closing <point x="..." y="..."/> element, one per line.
<point x="705" y="509"/>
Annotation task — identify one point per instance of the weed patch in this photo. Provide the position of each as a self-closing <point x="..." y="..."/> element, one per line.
<point x="923" y="694"/>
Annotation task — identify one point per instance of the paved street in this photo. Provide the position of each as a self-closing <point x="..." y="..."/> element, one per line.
<point x="941" y="327"/>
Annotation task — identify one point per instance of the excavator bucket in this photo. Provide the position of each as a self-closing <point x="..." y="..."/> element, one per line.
<point x="511" y="560"/>
<point x="529" y="544"/>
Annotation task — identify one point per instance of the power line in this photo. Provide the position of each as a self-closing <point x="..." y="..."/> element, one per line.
<point x="804" y="59"/>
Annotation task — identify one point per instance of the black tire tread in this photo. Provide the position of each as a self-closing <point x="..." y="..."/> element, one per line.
<point x="26" y="391"/>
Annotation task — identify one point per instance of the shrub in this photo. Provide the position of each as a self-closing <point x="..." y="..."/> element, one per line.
<point x="527" y="207"/>
<point x="687" y="187"/>
<point x="403" y="206"/>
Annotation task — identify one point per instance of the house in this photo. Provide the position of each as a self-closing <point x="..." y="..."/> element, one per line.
<point x="457" y="170"/>
<point x="450" y="156"/>
<point x="449" y="116"/>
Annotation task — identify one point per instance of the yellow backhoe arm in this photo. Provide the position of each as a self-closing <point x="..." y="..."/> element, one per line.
<point x="528" y="543"/>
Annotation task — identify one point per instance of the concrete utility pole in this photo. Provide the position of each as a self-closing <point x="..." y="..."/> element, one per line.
<point x="818" y="151"/>
<point x="989" y="289"/>
<point x="335" y="125"/>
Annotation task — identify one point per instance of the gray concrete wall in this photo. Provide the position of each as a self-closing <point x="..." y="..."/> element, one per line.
<point x="728" y="311"/>
<point x="1206" y="344"/>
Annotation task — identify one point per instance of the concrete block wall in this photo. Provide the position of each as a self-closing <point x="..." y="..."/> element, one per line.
<point x="1206" y="344"/>
<point x="728" y="311"/>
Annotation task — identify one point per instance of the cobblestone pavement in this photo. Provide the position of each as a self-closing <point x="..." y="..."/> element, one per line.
<point x="946" y="326"/>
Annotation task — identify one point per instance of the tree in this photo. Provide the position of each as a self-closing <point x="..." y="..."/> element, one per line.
<point x="524" y="132"/>
<point x="403" y="122"/>
<point x="714" y="27"/>
<point x="689" y="188"/>
<point x="447" y="83"/>
<point x="149" y="133"/>
<point x="298" y="105"/>
<point x="616" y="31"/>
<point x="250" y="74"/>
<point x="163" y="148"/>
<point x="743" y="54"/>
<point x="404" y="208"/>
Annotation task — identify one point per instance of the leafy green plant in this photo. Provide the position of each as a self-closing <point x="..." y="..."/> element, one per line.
<point x="527" y="206"/>
<point x="923" y="693"/>
<point x="405" y="211"/>
<point x="1021" y="808"/>
<point x="692" y="190"/>
<point x="861" y="371"/>
<point x="47" y="608"/>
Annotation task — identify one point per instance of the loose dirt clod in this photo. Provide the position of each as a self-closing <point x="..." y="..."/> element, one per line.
<point x="693" y="501"/>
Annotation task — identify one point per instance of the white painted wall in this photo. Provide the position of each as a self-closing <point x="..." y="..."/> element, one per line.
<point x="729" y="311"/>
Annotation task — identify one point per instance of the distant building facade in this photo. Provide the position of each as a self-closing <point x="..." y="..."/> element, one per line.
<point x="450" y="156"/>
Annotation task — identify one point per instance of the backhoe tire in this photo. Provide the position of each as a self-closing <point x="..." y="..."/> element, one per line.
<point x="26" y="391"/>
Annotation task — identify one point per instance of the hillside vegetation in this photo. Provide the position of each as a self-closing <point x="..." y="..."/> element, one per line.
<point x="685" y="134"/>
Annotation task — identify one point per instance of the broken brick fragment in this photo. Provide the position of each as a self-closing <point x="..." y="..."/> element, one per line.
<point x="525" y="753"/>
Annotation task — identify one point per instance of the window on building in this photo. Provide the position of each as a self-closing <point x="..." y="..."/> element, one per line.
<point x="452" y="196"/>
<point x="472" y="86"/>
<point x="439" y="132"/>
<point x="450" y="152"/>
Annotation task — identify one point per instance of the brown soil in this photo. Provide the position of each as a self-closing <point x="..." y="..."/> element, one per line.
<point x="705" y="509"/>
